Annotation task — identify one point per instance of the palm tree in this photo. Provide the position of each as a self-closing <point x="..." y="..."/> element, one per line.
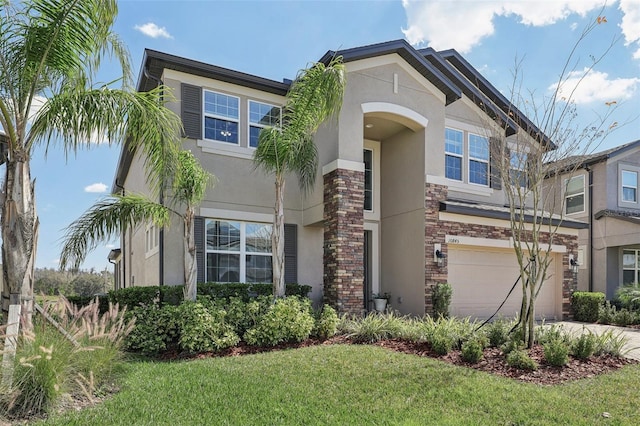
<point x="112" y="216"/>
<point x="50" y="51"/>
<point x="316" y="94"/>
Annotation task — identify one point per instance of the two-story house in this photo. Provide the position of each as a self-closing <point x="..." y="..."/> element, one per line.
<point x="602" y="189"/>
<point x="407" y="193"/>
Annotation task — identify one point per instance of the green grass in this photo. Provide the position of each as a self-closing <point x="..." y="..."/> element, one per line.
<point x="352" y="384"/>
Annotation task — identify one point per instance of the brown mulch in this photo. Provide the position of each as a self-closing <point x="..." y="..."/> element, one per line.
<point x="493" y="361"/>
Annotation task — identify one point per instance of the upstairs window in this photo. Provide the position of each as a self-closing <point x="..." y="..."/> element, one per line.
<point x="261" y="115"/>
<point x="517" y="169"/>
<point x="574" y="195"/>
<point x="629" y="186"/>
<point x="453" y="153"/>
<point x="221" y="117"/>
<point x="478" y="160"/>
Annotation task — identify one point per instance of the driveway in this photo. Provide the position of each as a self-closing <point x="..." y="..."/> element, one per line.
<point x="632" y="334"/>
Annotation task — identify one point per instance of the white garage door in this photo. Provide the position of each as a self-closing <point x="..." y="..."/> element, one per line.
<point x="481" y="278"/>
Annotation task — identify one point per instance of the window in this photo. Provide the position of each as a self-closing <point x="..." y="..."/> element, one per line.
<point x="238" y="251"/>
<point x="260" y="116"/>
<point x="368" y="179"/>
<point x="630" y="266"/>
<point x="574" y="195"/>
<point x="629" y="186"/>
<point x="517" y="169"/>
<point x="478" y="160"/>
<point x="453" y="154"/>
<point x="152" y="239"/>
<point x="221" y="116"/>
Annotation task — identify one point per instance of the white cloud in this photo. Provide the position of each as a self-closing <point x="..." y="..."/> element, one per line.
<point x="573" y="26"/>
<point x="96" y="187"/>
<point x="596" y="87"/>
<point x="445" y="25"/>
<point x="152" y="30"/>
<point x="630" y="24"/>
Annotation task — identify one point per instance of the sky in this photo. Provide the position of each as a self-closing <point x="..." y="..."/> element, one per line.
<point x="274" y="39"/>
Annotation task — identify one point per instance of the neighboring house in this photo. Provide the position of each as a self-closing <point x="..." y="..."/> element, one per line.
<point x="405" y="172"/>
<point x="603" y="191"/>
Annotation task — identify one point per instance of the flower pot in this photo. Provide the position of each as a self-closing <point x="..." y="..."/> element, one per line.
<point x="380" y="304"/>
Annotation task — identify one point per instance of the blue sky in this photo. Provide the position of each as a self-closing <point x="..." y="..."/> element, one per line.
<point x="274" y="39"/>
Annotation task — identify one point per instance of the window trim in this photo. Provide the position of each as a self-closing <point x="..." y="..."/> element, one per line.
<point x="206" y="114"/>
<point x="456" y="155"/>
<point x="636" y="267"/>
<point x="242" y="252"/>
<point x="478" y="160"/>
<point x="623" y="186"/>
<point x="251" y="124"/>
<point x="583" y="193"/>
<point x="373" y="180"/>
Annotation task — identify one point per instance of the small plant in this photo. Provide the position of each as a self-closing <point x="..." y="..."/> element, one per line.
<point x="375" y="327"/>
<point x="610" y="343"/>
<point x="584" y="345"/>
<point x="472" y="349"/>
<point x="624" y="317"/>
<point x="556" y="352"/>
<point x="326" y="322"/>
<point x="441" y="298"/>
<point x="287" y="320"/>
<point x="607" y="313"/>
<point x="552" y="333"/>
<point x="498" y="332"/>
<point x="520" y="359"/>
<point x="629" y="296"/>
<point x="386" y="296"/>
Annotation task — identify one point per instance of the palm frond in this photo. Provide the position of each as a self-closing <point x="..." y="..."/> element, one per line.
<point x="191" y="180"/>
<point x="105" y="219"/>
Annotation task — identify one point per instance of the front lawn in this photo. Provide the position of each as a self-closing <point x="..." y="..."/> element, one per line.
<point x="352" y="384"/>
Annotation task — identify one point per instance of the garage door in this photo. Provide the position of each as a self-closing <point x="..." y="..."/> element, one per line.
<point x="482" y="277"/>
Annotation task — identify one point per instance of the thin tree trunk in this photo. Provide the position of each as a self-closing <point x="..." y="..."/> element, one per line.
<point x="190" y="267"/>
<point x="19" y="234"/>
<point x="277" y="239"/>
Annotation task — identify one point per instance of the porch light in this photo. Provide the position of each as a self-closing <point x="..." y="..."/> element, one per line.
<point x="573" y="264"/>
<point x="438" y="255"/>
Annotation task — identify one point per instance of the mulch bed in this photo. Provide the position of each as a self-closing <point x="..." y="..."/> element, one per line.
<point x="493" y="361"/>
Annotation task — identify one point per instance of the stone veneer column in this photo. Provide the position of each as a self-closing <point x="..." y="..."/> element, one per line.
<point x="434" y="233"/>
<point x="344" y="240"/>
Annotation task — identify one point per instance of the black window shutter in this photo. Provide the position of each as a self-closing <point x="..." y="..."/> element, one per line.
<point x="198" y="230"/>
<point x="495" y="160"/>
<point x="191" y="111"/>
<point x="290" y="253"/>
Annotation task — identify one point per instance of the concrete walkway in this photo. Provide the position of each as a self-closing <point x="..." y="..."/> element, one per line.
<point x="632" y="347"/>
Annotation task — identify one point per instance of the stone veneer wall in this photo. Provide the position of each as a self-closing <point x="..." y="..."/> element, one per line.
<point x="436" y="230"/>
<point x="344" y="240"/>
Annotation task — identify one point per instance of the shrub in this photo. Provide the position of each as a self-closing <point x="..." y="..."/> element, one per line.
<point x="441" y="298"/>
<point x="520" y="359"/>
<point x="611" y="343"/>
<point x="203" y="330"/>
<point x="498" y="332"/>
<point x="624" y="317"/>
<point x="546" y="334"/>
<point x="556" y="352"/>
<point x="607" y="313"/>
<point x="132" y="297"/>
<point x="629" y="296"/>
<point x="244" y="315"/>
<point x="155" y="329"/>
<point x="584" y="345"/>
<point x="472" y="349"/>
<point x="586" y="305"/>
<point x="287" y="320"/>
<point x="326" y="322"/>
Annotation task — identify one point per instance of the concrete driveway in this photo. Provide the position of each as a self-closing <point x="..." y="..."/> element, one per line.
<point x="632" y="334"/>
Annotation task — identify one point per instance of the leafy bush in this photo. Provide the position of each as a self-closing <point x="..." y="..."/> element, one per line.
<point x="155" y="329"/>
<point x="556" y="352"/>
<point x="441" y="298"/>
<point x="586" y="305"/>
<point x="629" y="296"/>
<point x="520" y="359"/>
<point x="244" y="315"/>
<point x="287" y="320"/>
<point x="203" y="330"/>
<point x="326" y="322"/>
<point x="584" y="345"/>
<point x="607" y="313"/>
<point x="498" y="332"/>
<point x="472" y="349"/>
<point x="624" y="317"/>
<point x="546" y="334"/>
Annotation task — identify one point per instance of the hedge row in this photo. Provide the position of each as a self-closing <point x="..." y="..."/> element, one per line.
<point x="173" y="295"/>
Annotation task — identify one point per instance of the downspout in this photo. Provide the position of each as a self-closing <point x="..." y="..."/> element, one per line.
<point x="123" y="248"/>
<point x="590" y="170"/>
<point x="159" y="82"/>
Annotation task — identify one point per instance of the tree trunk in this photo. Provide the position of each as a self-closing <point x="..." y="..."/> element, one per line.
<point x="19" y="234"/>
<point x="277" y="240"/>
<point x="190" y="267"/>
